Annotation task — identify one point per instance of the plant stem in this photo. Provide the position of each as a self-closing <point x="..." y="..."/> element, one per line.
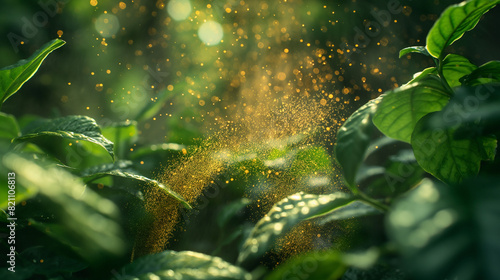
<point x="382" y="207"/>
<point x="440" y="72"/>
<point x="363" y="197"/>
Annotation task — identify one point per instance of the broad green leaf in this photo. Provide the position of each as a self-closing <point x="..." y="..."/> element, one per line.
<point x="414" y="49"/>
<point x="184" y="265"/>
<point x="325" y="265"/>
<point x="455" y="67"/>
<point x="354" y="209"/>
<point x="400" y="109"/>
<point x="282" y="217"/>
<point x="75" y="140"/>
<point x="423" y="74"/>
<point x="486" y="73"/>
<point x="123" y="135"/>
<point x="121" y="169"/>
<point x="449" y="232"/>
<point x="475" y="110"/>
<point x="449" y="159"/>
<point x="9" y="129"/>
<point x="454" y="22"/>
<point x="353" y="139"/>
<point x="14" y="76"/>
<point x="81" y="219"/>
<point x="22" y="192"/>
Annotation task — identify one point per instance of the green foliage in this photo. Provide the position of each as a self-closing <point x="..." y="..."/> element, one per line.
<point x="84" y="221"/>
<point x="14" y="76"/>
<point x="314" y="265"/>
<point x="80" y="187"/>
<point x="79" y="138"/>
<point x="414" y="49"/>
<point x="401" y="109"/>
<point x="454" y="22"/>
<point x="9" y="128"/>
<point x="446" y="157"/>
<point x="447" y="231"/>
<point x="449" y="115"/>
<point x="122" y="170"/>
<point x="486" y="73"/>
<point x="353" y="139"/>
<point x="182" y="265"/>
<point x="283" y="216"/>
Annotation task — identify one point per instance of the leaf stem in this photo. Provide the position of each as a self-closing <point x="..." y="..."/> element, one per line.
<point x="363" y="197"/>
<point x="375" y="203"/>
<point x="439" y="64"/>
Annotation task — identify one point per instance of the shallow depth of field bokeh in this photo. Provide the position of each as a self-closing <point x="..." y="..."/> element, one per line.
<point x="230" y="78"/>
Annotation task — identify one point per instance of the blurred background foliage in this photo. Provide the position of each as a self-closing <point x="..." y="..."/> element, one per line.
<point x="109" y="71"/>
<point x="190" y="69"/>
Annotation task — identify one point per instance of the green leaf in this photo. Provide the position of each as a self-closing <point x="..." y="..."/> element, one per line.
<point x="123" y="135"/>
<point x="455" y="67"/>
<point x="486" y="73"/>
<point x="414" y="49"/>
<point x="475" y="110"/>
<point x="354" y="209"/>
<point x="400" y="109"/>
<point x="184" y="265"/>
<point x="120" y="169"/>
<point x="423" y="74"/>
<point x="14" y="76"/>
<point x="75" y="140"/>
<point x="353" y="139"/>
<point x="449" y="232"/>
<point x="447" y="158"/>
<point x="80" y="218"/>
<point x="282" y="217"/>
<point x="313" y="265"/>
<point x="454" y="22"/>
<point x="9" y="129"/>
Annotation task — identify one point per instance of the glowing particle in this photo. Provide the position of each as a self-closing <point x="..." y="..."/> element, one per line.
<point x="281" y="76"/>
<point x="211" y="33"/>
<point x="122" y="5"/>
<point x="59" y="33"/>
<point x="179" y="9"/>
<point x="93" y="3"/>
<point x="107" y="25"/>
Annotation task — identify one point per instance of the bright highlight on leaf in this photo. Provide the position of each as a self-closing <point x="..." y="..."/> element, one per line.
<point x="454" y="22"/>
<point x="14" y="76"/>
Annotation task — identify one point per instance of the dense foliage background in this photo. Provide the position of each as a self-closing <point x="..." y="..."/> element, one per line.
<point x="203" y="140"/>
